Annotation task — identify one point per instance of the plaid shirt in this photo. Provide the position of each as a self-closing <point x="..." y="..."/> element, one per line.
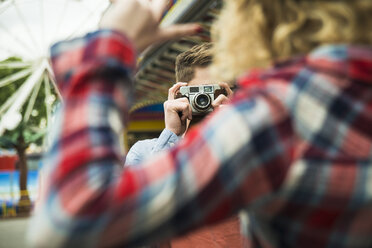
<point x="292" y="150"/>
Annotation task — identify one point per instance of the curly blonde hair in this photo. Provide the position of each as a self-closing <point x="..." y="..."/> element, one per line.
<point x="253" y="33"/>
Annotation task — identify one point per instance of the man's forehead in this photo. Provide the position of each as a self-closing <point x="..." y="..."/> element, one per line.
<point x="201" y="76"/>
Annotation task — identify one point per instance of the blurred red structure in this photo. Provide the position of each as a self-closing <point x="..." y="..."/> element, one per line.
<point x="7" y="162"/>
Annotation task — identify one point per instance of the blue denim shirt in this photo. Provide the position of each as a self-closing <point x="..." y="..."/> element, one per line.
<point x="145" y="148"/>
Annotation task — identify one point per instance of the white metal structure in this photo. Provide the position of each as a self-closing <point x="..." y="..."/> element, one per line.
<point x="27" y="30"/>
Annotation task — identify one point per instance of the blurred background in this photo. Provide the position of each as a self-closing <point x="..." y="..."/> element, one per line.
<point x="28" y="97"/>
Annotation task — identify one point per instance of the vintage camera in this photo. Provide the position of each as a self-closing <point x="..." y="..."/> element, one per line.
<point x="201" y="97"/>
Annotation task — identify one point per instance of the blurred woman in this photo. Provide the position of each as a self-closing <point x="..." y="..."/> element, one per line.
<point x="296" y="161"/>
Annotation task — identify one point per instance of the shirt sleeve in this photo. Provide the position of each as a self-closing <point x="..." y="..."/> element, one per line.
<point x="146" y="148"/>
<point x="166" y="140"/>
<point x="234" y="159"/>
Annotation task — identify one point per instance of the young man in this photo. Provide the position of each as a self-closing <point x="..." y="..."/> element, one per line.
<point x="191" y="69"/>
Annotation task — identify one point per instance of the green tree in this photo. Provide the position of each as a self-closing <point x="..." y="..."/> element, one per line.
<point x="31" y="128"/>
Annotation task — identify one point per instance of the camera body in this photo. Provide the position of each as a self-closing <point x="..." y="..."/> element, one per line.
<point x="201" y="97"/>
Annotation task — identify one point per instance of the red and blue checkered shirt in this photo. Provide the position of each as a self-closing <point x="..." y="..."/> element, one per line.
<point x="292" y="151"/>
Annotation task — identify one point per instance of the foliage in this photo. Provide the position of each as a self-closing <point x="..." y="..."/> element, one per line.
<point x="30" y="135"/>
<point x="30" y="130"/>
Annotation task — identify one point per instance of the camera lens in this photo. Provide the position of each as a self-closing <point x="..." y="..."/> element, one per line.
<point x="202" y="101"/>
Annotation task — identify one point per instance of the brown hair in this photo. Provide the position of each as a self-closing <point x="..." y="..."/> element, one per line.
<point x="254" y="33"/>
<point x="197" y="56"/>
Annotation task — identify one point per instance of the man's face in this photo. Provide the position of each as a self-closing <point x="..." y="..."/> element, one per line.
<point x="201" y="77"/>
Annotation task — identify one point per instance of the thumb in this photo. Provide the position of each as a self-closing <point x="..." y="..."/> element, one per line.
<point x="221" y="99"/>
<point x="178" y="31"/>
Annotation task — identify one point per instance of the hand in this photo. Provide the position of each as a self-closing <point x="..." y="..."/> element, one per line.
<point x="176" y="111"/>
<point x="222" y="99"/>
<point x="139" y="20"/>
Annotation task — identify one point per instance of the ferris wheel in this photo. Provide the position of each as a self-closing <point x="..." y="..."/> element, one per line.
<point x="27" y="30"/>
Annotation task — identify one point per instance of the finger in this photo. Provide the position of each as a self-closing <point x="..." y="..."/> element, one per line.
<point x="178" y="31"/>
<point x="181" y="100"/>
<point x="176" y="105"/>
<point x="159" y="7"/>
<point x="184" y="100"/>
<point x="178" y="108"/>
<point x="189" y="111"/>
<point x="227" y="88"/>
<point x="182" y="106"/>
<point x="221" y="99"/>
<point x="186" y="112"/>
<point x="172" y="90"/>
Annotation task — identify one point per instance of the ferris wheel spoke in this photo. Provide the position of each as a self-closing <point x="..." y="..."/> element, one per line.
<point x="27" y="28"/>
<point x="25" y="46"/>
<point x="9" y="101"/>
<point x="31" y="102"/>
<point x="61" y="18"/>
<point x="43" y="40"/>
<point x="53" y="80"/>
<point x="5" y="5"/>
<point x="21" y="99"/>
<point x="14" y="64"/>
<point x="48" y="96"/>
<point x="13" y="77"/>
<point x="85" y="20"/>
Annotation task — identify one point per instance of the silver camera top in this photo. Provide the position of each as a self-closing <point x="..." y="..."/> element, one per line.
<point x="201" y="97"/>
